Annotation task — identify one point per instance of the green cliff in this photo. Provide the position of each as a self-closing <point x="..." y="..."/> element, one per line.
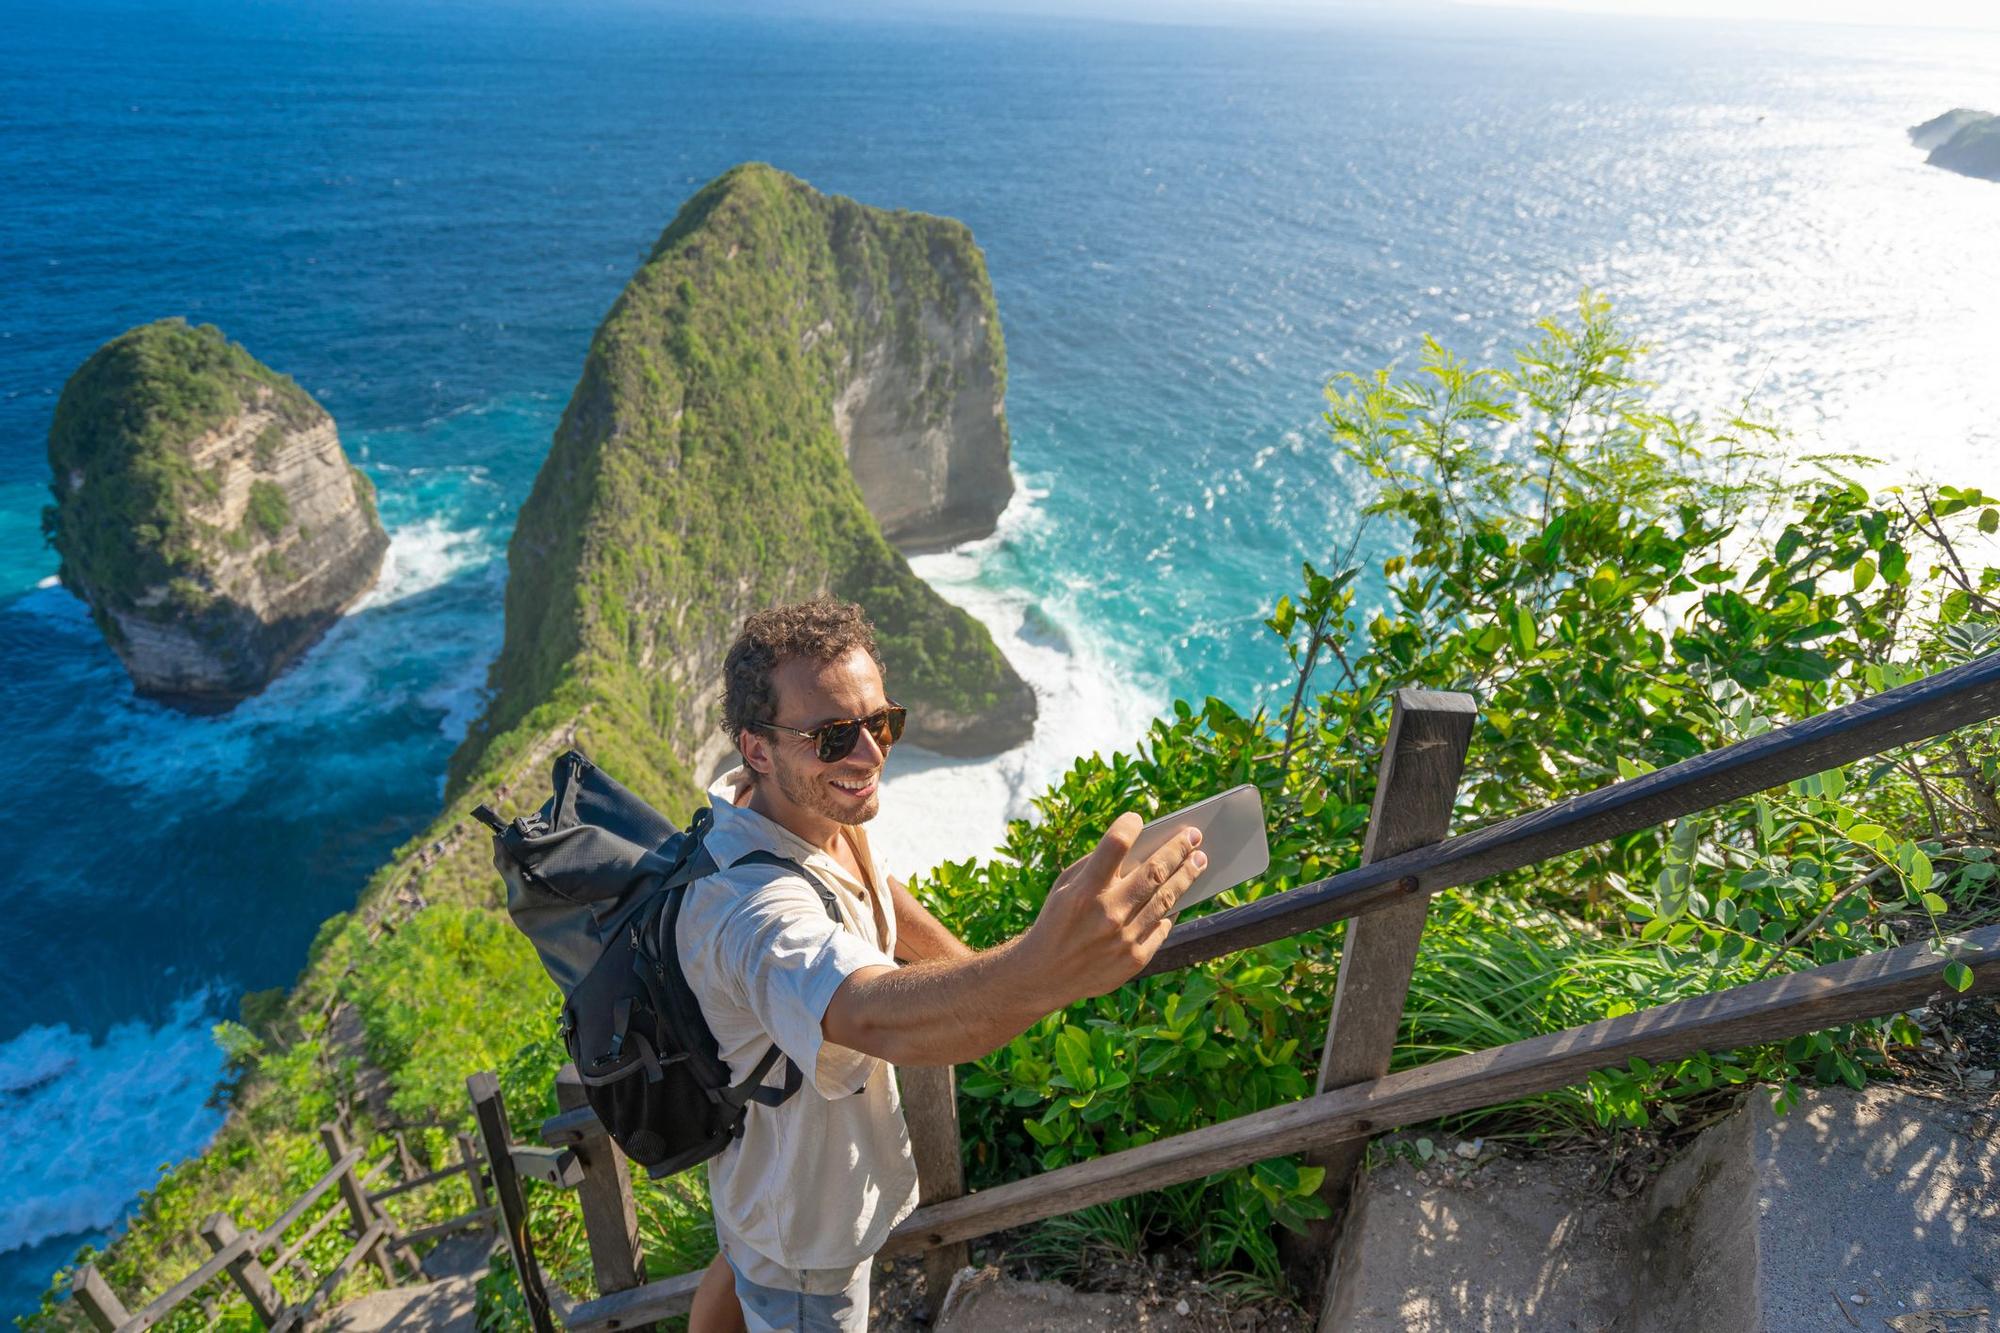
<point x="205" y="511"/>
<point x="702" y="470"/>
<point x="1962" y="140"/>
<point x="759" y="363"/>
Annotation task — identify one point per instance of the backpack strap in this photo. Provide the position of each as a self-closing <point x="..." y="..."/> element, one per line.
<point x="764" y="858"/>
<point x="751" y="1089"/>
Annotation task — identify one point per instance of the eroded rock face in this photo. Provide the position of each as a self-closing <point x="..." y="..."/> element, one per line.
<point x="925" y="428"/>
<point x="794" y="388"/>
<point x="206" y="512"/>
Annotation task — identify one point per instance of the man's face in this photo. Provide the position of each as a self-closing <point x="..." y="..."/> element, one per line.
<point x="847" y="791"/>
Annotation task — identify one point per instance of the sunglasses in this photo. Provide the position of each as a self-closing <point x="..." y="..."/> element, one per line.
<point x="837" y="739"/>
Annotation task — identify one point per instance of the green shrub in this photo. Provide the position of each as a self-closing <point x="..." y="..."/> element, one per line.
<point x="268" y="508"/>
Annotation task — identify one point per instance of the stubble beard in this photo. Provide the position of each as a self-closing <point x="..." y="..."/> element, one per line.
<point x="810" y="791"/>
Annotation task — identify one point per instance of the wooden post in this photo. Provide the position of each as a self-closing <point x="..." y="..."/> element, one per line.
<point x="356" y="1198"/>
<point x="247" y="1272"/>
<point x="93" y="1295"/>
<point x="497" y="1139"/>
<point x="475" y="1173"/>
<point x="610" y="1218"/>
<point x="930" y="1106"/>
<point x="1415" y="787"/>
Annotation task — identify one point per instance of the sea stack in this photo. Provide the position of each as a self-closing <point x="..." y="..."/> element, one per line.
<point x="205" y="511"/>
<point x="1962" y="140"/>
<point x="791" y="386"/>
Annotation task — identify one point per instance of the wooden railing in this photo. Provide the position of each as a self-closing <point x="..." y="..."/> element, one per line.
<point x="1406" y="858"/>
<point x="246" y="1261"/>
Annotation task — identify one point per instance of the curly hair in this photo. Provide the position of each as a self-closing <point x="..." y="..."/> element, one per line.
<point x="822" y="630"/>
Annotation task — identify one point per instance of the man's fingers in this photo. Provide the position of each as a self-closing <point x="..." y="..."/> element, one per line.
<point x="1156" y="913"/>
<point x="1141" y="883"/>
<point x="1100" y="866"/>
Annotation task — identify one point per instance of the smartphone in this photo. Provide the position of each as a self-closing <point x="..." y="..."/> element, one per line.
<point x="1232" y="834"/>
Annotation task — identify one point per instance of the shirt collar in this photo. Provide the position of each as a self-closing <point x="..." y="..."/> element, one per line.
<point x="744" y="830"/>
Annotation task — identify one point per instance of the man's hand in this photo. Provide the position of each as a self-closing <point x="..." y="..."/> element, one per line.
<point x="1104" y="920"/>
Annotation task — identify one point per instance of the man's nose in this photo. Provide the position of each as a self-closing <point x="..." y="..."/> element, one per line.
<point x="866" y="748"/>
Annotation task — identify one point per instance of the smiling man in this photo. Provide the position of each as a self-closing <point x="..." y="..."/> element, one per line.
<point x="846" y="972"/>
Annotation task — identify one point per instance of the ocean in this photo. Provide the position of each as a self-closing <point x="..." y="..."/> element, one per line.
<point x="421" y="213"/>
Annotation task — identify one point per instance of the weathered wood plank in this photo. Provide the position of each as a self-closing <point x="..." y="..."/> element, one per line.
<point x="274" y="1233"/>
<point x="468" y="1157"/>
<point x="1917" y="711"/>
<point x="369" y="1243"/>
<point x="610" y="1214"/>
<point x="635" y="1308"/>
<point x="405" y="1186"/>
<point x="478" y="1217"/>
<point x="249" y="1276"/>
<point x="1415" y="788"/>
<point x="100" y="1304"/>
<point x="560" y="1167"/>
<point x="160" y="1306"/>
<point x="490" y="1109"/>
<point x="930" y="1107"/>
<point x="1770" y="1010"/>
<point x="571" y="1127"/>
<point x="355" y="1196"/>
<point x="292" y="1252"/>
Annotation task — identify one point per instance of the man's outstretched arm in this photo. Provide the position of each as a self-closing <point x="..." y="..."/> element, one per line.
<point x="1100" y="924"/>
<point x="919" y="935"/>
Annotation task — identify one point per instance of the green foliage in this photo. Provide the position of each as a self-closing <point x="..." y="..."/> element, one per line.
<point x="120" y="449"/>
<point x="264" y="453"/>
<point x="1592" y="571"/>
<point x="426" y="995"/>
<point x="268" y="509"/>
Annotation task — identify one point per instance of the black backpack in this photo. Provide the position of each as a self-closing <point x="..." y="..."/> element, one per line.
<point x="595" y="879"/>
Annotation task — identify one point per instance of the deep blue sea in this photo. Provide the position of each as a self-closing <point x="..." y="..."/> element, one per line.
<point x="422" y="211"/>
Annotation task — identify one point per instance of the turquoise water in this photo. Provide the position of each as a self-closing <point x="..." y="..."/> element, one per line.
<point x="421" y="213"/>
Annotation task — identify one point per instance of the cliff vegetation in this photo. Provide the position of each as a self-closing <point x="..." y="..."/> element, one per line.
<point x="699" y="473"/>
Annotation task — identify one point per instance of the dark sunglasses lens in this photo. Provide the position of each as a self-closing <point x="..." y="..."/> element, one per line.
<point x="891" y="729"/>
<point x="836" y="740"/>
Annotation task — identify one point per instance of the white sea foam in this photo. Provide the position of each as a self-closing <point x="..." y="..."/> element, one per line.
<point x="357" y="671"/>
<point x="102" y="1116"/>
<point x="936" y="808"/>
<point x="423" y="555"/>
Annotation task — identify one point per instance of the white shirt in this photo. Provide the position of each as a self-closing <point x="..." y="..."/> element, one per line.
<point x="818" y="1182"/>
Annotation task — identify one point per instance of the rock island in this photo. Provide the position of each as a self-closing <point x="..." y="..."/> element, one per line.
<point x="205" y="511"/>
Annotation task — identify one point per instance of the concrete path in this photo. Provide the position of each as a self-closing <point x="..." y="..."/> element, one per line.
<point x="445" y="1306"/>
<point x="1873" y="1210"/>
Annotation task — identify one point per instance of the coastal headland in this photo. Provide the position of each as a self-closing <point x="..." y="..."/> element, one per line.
<point x="784" y="367"/>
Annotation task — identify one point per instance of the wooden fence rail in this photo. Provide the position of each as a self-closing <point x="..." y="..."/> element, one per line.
<point x="1915" y="712"/>
<point x="1405" y="860"/>
<point x="238" y="1257"/>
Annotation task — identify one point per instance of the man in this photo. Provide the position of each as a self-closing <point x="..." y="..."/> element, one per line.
<point x="808" y="1193"/>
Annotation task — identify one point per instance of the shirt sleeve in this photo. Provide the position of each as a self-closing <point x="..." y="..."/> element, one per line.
<point x="788" y="957"/>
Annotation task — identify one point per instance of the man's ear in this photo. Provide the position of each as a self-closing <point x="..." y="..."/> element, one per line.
<point x="755" y="748"/>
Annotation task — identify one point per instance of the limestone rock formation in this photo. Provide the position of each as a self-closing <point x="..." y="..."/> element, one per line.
<point x="791" y="381"/>
<point x="1962" y="140"/>
<point x="205" y="511"/>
